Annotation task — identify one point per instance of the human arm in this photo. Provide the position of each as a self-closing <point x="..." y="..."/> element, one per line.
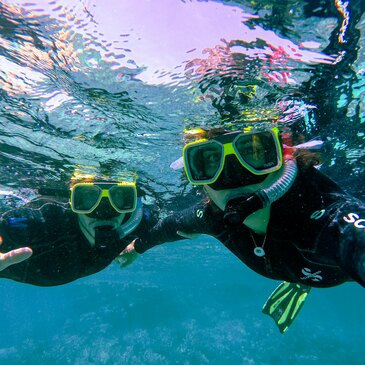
<point x="13" y="256"/>
<point x="343" y="237"/>
<point x="186" y="224"/>
<point x="14" y="237"/>
<point x="48" y="230"/>
<point x="16" y="228"/>
<point x="351" y="256"/>
<point x="201" y="218"/>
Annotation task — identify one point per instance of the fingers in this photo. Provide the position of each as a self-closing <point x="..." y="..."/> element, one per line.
<point x="127" y="256"/>
<point x="14" y="257"/>
<point x="126" y="263"/>
<point x="189" y="236"/>
<point x="120" y="260"/>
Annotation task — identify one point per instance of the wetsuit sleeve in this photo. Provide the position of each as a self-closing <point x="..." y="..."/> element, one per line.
<point x="200" y="219"/>
<point x="51" y="234"/>
<point x="22" y="227"/>
<point x="351" y="221"/>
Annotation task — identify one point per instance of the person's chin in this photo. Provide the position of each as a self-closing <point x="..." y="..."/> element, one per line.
<point x="95" y="222"/>
<point x="238" y="191"/>
<point x="100" y="223"/>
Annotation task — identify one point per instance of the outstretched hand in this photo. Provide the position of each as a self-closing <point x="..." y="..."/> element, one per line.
<point x="14" y="257"/>
<point x="127" y="256"/>
<point x="189" y="236"/>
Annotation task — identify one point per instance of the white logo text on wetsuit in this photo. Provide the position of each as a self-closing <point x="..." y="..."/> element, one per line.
<point x="199" y="213"/>
<point x="308" y="274"/>
<point x="318" y="214"/>
<point x="355" y="220"/>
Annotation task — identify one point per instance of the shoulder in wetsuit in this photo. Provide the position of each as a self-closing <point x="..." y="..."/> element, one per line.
<point x="61" y="253"/>
<point x="315" y="234"/>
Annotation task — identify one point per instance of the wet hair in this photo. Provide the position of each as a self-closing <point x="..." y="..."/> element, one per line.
<point x="214" y="132"/>
<point x="307" y="159"/>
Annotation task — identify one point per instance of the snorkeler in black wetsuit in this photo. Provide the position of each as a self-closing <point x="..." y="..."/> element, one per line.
<point x="315" y="234"/>
<point x="277" y="213"/>
<point x="66" y="243"/>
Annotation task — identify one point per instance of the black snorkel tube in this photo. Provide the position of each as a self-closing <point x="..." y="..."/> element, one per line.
<point x="133" y="222"/>
<point x="238" y="209"/>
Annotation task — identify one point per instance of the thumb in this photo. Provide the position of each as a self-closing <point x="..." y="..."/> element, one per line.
<point x="189" y="236"/>
<point x="14" y="257"/>
<point x="127" y="256"/>
<point x="127" y="259"/>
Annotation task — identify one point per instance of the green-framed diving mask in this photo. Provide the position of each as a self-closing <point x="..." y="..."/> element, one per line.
<point x="258" y="151"/>
<point x="86" y="197"/>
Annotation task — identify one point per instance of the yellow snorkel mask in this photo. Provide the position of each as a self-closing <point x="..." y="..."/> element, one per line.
<point x="86" y="197"/>
<point x="258" y="151"/>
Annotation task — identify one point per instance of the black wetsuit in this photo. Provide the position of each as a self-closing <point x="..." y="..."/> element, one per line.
<point x="61" y="252"/>
<point x="315" y="234"/>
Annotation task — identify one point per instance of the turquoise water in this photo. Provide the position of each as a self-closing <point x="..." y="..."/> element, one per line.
<point x="187" y="304"/>
<point x="109" y="88"/>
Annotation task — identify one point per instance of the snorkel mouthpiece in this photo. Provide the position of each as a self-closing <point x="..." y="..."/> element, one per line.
<point x="238" y="209"/>
<point x="104" y="236"/>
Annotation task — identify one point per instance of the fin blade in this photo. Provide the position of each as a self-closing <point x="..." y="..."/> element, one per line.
<point x="285" y="303"/>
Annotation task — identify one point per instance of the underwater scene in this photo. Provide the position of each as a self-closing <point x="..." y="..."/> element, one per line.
<point x="111" y="89"/>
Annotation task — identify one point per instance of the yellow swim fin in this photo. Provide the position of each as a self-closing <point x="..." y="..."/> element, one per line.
<point x="285" y="303"/>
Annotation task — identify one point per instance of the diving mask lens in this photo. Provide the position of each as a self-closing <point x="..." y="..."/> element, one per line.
<point x="86" y="197"/>
<point x="203" y="161"/>
<point x="258" y="152"/>
<point x="123" y="198"/>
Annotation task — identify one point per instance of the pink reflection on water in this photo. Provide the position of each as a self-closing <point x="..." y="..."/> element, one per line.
<point x="158" y="38"/>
